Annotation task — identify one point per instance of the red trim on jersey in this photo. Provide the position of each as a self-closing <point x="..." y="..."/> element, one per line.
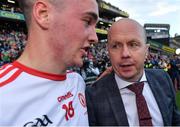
<point x="6" y="71"/>
<point x="39" y="73"/>
<point x="4" y="66"/>
<point x="12" y="78"/>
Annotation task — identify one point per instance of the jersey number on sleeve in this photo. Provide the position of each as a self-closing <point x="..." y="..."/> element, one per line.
<point x="69" y="110"/>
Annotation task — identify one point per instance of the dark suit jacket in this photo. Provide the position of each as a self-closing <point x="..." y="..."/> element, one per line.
<point x="105" y="106"/>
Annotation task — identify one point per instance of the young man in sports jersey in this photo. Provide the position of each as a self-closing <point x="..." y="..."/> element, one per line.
<point x="36" y="89"/>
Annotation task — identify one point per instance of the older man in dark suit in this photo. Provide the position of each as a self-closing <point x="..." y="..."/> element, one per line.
<point x="130" y="95"/>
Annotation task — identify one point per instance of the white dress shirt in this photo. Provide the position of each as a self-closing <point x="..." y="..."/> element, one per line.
<point x="129" y="101"/>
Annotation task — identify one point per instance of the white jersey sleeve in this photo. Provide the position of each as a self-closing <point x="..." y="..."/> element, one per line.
<point x="32" y="98"/>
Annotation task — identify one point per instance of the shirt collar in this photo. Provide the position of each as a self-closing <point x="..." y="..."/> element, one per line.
<point x="123" y="84"/>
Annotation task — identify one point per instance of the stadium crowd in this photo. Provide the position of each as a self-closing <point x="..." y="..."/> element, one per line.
<point x="13" y="39"/>
<point x="171" y="64"/>
<point x="12" y="42"/>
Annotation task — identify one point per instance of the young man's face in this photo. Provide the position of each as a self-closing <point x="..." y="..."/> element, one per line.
<point x="73" y="30"/>
<point x="127" y="50"/>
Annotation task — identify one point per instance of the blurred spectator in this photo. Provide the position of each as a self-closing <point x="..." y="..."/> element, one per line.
<point x="92" y="73"/>
<point x="174" y="72"/>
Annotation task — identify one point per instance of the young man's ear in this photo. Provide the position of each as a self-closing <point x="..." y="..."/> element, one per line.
<point x="41" y="13"/>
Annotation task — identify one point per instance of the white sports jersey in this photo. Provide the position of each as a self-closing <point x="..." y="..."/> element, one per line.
<point x="32" y="98"/>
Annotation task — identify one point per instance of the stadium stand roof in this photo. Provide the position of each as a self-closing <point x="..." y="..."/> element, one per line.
<point x="157" y="25"/>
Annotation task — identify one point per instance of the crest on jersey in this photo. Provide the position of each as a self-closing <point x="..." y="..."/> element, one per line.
<point x="82" y="99"/>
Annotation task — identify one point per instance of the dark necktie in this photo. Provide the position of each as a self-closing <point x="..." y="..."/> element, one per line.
<point x="143" y="112"/>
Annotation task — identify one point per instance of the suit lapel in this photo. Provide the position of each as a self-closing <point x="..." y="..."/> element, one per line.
<point x="116" y="102"/>
<point x="158" y="94"/>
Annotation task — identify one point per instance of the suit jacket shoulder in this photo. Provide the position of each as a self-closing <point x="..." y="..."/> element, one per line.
<point x="104" y="103"/>
<point x="163" y="91"/>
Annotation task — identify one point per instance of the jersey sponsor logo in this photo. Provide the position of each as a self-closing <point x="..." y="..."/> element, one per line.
<point x="64" y="97"/>
<point x="44" y="121"/>
<point x="82" y="99"/>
